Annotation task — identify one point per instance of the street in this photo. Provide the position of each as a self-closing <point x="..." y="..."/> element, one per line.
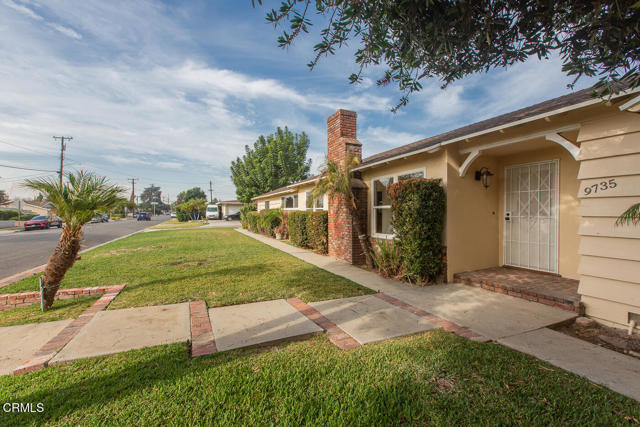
<point x="22" y="250"/>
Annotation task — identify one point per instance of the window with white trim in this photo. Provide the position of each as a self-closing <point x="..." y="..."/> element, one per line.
<point x="289" y="202"/>
<point x="381" y="203"/>
<point x="317" y="204"/>
<point x="266" y="204"/>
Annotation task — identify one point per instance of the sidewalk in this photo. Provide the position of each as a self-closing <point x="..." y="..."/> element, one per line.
<point x="510" y="321"/>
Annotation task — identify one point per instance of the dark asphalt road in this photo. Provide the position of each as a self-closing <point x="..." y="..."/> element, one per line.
<point x="22" y="250"/>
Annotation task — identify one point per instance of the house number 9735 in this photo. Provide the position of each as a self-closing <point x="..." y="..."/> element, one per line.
<point x="600" y="186"/>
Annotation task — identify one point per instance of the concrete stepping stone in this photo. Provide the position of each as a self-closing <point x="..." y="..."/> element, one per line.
<point x="22" y="342"/>
<point x="114" y="331"/>
<point x="368" y="318"/>
<point x="617" y="371"/>
<point x="237" y="326"/>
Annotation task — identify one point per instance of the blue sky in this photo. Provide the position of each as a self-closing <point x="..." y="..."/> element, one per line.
<point x="171" y="92"/>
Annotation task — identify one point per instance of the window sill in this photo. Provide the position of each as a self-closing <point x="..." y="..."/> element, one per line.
<point x="383" y="236"/>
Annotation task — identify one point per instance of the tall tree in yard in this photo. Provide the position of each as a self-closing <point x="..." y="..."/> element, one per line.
<point x="274" y="161"/>
<point x="449" y="40"/>
<point x="336" y="180"/>
<point x="77" y="202"/>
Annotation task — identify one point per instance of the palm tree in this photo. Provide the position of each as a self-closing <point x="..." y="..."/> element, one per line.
<point x="630" y="216"/>
<point x="336" y="180"/>
<point x="77" y="202"/>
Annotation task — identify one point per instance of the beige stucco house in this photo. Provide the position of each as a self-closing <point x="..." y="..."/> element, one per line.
<point x="534" y="190"/>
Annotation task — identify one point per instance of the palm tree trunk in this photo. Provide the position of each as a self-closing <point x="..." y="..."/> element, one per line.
<point x="60" y="261"/>
<point x="362" y="235"/>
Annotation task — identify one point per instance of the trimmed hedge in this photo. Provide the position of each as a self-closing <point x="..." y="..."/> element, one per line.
<point x="309" y="229"/>
<point x="182" y="216"/>
<point x="418" y="209"/>
<point x="298" y="228"/>
<point x="318" y="231"/>
<point x="269" y="220"/>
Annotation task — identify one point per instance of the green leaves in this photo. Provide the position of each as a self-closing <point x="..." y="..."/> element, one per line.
<point x="449" y="40"/>
<point x="418" y="211"/>
<point x="274" y="161"/>
<point x="79" y="200"/>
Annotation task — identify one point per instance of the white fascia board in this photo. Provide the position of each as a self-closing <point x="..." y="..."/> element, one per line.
<point x="630" y="103"/>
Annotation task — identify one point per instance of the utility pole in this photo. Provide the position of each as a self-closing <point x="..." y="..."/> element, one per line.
<point x="63" y="147"/>
<point x="211" y="191"/>
<point x="133" y="191"/>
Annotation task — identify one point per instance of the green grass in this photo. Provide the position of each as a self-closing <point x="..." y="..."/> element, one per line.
<point x="433" y="378"/>
<point x="220" y="266"/>
<point x="174" y="223"/>
<point x="62" y="309"/>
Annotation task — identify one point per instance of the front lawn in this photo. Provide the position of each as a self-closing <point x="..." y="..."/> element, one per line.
<point x="62" y="309"/>
<point x="220" y="266"/>
<point x="433" y="378"/>
<point x="174" y="223"/>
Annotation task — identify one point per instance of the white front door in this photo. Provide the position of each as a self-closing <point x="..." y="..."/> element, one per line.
<point x="531" y="216"/>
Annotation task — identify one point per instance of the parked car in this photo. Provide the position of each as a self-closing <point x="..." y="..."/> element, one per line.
<point x="143" y="216"/>
<point x="42" y="222"/>
<point x="55" y="221"/>
<point x="233" y="216"/>
<point x="105" y="218"/>
<point x="173" y="215"/>
<point x="96" y="219"/>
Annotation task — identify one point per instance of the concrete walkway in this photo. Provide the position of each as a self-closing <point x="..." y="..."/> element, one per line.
<point x="513" y="322"/>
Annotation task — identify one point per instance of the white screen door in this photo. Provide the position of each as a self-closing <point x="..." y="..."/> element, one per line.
<point x="531" y="216"/>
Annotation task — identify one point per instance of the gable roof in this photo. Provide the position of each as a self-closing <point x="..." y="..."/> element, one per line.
<point x="556" y="105"/>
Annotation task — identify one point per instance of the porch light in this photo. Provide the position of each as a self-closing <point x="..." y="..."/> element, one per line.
<point x="484" y="175"/>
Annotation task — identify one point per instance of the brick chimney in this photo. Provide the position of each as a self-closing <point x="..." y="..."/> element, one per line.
<point x="343" y="237"/>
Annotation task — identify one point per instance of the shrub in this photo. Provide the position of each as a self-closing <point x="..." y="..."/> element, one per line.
<point x="388" y="258"/>
<point x="418" y="210"/>
<point x="269" y="220"/>
<point x="253" y="219"/>
<point x="318" y="231"/>
<point x="248" y="207"/>
<point x="283" y="228"/>
<point x="12" y="215"/>
<point x="182" y="216"/>
<point x="298" y="228"/>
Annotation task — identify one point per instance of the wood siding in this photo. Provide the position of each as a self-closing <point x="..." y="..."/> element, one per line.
<point x="609" y="183"/>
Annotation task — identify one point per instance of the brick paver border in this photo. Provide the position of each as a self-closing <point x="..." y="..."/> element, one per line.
<point x="335" y="334"/>
<point x="57" y="343"/>
<point x="202" y="340"/>
<point x="21" y="299"/>
<point x="436" y="320"/>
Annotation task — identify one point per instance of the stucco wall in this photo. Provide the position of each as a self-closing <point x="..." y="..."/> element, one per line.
<point x="472" y="217"/>
<point x="610" y="256"/>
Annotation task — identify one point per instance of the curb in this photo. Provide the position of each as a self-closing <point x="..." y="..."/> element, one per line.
<point x="9" y="280"/>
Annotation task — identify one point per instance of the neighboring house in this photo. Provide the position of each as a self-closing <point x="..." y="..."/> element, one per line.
<point x="537" y="189"/>
<point x="292" y="197"/>
<point x="229" y="207"/>
<point x="38" y="208"/>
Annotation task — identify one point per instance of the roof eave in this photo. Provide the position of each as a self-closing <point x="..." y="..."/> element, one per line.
<point x="497" y="128"/>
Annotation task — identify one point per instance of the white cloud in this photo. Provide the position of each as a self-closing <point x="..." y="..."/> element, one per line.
<point x="121" y="160"/>
<point x="22" y="9"/>
<point x="69" y="32"/>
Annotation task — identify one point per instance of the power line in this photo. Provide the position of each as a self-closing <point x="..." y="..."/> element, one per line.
<point x="27" y="169"/>
<point x="31" y="150"/>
